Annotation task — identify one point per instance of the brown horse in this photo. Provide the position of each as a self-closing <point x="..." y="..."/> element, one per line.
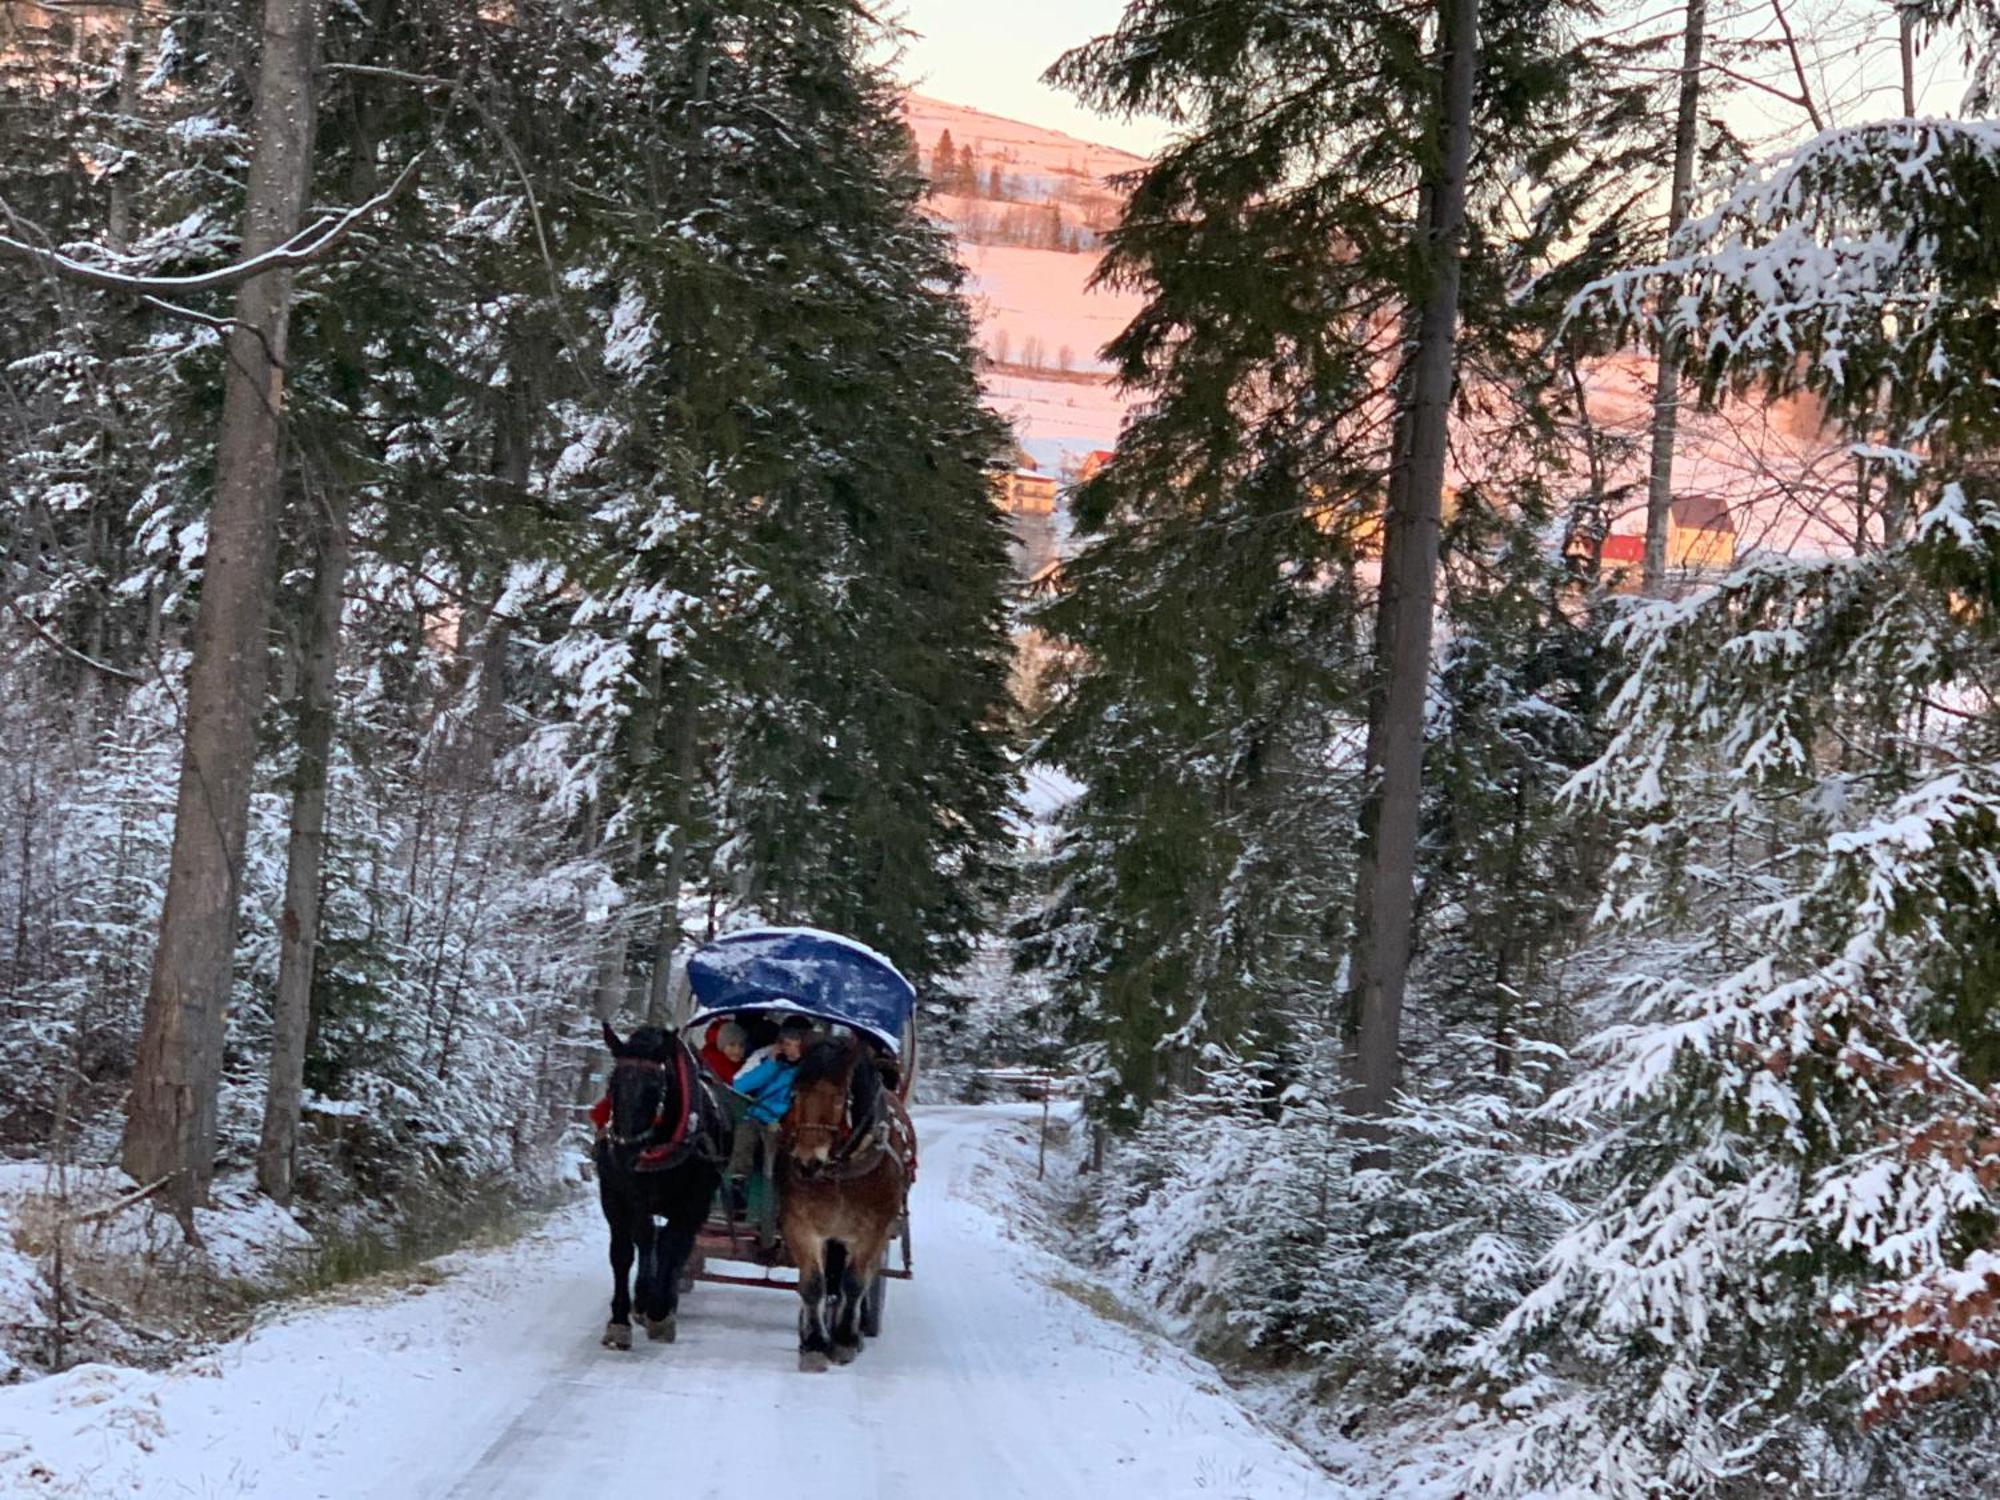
<point x="844" y="1164"/>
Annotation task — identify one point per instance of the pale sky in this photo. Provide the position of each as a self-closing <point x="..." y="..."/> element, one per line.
<point x="990" y="54"/>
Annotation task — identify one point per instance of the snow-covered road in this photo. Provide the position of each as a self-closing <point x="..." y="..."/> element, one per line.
<point x="988" y="1382"/>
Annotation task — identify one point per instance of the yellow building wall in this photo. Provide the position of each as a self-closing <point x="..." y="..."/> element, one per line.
<point x="1692" y="547"/>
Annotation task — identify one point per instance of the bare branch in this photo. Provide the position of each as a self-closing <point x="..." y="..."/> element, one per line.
<point x="224" y="326"/>
<point x="1798" y="65"/>
<point x="116" y="1205"/>
<point x="302" y="249"/>
<point x="51" y="639"/>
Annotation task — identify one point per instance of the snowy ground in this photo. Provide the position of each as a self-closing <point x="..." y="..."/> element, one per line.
<point x="994" y="1378"/>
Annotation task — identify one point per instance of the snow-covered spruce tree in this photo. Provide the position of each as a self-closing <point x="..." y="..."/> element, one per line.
<point x="413" y="444"/>
<point x="1212" y="702"/>
<point x="1288" y="248"/>
<point x="789" y="656"/>
<point x="119" y="139"/>
<point x="102" y="487"/>
<point x="1794" y="1132"/>
<point x="406" y="409"/>
<point x="1510" y="871"/>
<point x="1196" y="886"/>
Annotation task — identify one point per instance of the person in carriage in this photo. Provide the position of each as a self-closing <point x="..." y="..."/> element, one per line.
<point x="766" y="1088"/>
<point x="722" y="1049"/>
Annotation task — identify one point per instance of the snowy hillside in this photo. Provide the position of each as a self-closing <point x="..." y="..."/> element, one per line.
<point x="1027" y="205"/>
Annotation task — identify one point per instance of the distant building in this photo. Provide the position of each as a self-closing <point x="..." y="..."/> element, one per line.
<point x="1701" y="538"/>
<point x="1623" y="551"/>
<point x="1701" y="535"/>
<point x="1091" y="462"/>
<point x="1027" y="497"/>
<point x="1028" y="492"/>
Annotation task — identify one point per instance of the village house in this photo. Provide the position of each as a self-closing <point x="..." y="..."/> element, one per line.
<point x="1701" y="539"/>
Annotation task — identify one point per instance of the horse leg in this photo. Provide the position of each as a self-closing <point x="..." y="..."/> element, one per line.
<point x="813" y="1343"/>
<point x="841" y="1308"/>
<point x="662" y="1313"/>
<point x="618" y="1332"/>
<point x="867" y="1272"/>
<point x="646" y="1295"/>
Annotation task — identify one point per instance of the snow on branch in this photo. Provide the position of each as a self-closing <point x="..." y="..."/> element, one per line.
<point x="310" y="244"/>
<point x="1852" y="249"/>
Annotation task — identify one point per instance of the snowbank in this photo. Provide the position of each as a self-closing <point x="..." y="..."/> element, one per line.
<point x="131" y="1285"/>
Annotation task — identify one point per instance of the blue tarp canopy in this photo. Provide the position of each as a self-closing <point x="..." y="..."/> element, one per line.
<point x="802" y="968"/>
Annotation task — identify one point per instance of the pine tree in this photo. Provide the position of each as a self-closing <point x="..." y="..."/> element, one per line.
<point x="1280" y="443"/>
<point x="789" y="654"/>
<point x="1792" y="1131"/>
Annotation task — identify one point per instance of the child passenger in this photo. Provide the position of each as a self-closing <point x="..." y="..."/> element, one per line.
<point x="768" y="1087"/>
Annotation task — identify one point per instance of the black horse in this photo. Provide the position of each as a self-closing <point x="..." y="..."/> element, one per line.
<point x="659" y="1158"/>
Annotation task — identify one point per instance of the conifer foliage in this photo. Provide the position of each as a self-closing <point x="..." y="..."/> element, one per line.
<point x="1799" y="1193"/>
<point x="1688" y="1187"/>
<point x="1227" y="711"/>
<point x="635" y="566"/>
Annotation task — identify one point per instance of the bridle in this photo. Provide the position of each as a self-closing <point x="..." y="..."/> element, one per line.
<point x="840" y="1162"/>
<point x="638" y="1065"/>
<point x="656" y="1155"/>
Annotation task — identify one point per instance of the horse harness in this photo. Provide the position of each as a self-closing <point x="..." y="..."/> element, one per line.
<point x="886" y="1128"/>
<point x="697" y="1127"/>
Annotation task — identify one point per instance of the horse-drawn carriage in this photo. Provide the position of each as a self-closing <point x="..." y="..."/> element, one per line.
<point x="828" y="1203"/>
<point x="762" y="977"/>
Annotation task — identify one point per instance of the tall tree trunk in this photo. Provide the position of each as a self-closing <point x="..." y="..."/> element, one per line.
<point x="607" y="993"/>
<point x="298" y="930"/>
<point x="1667" y="376"/>
<point x="1386" y="887"/>
<point x="1906" y="52"/>
<point x="660" y="996"/>
<point x="170" y="1128"/>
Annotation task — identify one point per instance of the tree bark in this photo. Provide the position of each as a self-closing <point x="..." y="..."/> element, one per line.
<point x="1667" y="375"/>
<point x="660" y="996"/>
<point x="1386" y="884"/>
<point x="607" y="992"/>
<point x="170" y="1127"/>
<point x="298" y="931"/>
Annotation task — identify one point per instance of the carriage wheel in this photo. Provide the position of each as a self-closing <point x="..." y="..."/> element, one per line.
<point x="871" y="1308"/>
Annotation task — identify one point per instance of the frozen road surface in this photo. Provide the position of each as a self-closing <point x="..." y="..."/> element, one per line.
<point x="988" y="1381"/>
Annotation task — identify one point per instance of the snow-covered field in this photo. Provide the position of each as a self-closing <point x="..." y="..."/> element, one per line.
<point x="1026" y="294"/>
<point x="994" y="1378"/>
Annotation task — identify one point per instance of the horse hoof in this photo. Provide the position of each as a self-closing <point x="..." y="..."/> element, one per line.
<point x="812" y="1362"/>
<point x="660" y="1330"/>
<point x="618" y="1335"/>
<point x="843" y="1354"/>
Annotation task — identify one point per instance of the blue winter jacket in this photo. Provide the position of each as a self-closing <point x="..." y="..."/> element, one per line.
<point x="768" y="1087"/>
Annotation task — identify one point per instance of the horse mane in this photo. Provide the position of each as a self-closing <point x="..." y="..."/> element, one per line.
<point x="650" y="1044"/>
<point x="830" y="1060"/>
<point x="826" y="1061"/>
